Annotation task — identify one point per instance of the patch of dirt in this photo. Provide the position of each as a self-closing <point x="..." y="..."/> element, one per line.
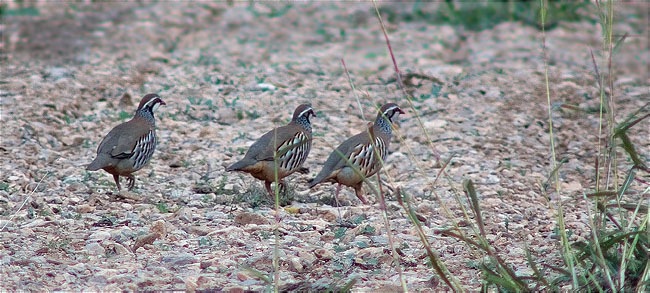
<point x="228" y="73"/>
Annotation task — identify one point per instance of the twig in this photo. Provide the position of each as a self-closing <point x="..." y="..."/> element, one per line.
<point x="410" y="75"/>
<point x="29" y="197"/>
<point x="354" y="91"/>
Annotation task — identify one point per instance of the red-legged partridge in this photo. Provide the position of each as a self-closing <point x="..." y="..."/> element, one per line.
<point x="289" y="144"/>
<point x="360" y="156"/>
<point x="129" y="146"/>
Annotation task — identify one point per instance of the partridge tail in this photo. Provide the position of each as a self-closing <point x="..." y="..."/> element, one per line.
<point x="239" y="165"/>
<point x="318" y="179"/>
<point x="95" y="165"/>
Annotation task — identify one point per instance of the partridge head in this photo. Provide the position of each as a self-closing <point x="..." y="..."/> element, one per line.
<point x="129" y="146"/>
<point x="279" y="152"/>
<point x="360" y="156"/>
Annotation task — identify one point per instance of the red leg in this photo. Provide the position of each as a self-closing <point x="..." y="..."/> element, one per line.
<point x="130" y="181"/>
<point x="267" y="185"/>
<point x="282" y="186"/>
<point x="382" y="199"/>
<point x="117" y="181"/>
<point x="336" y="196"/>
<point x="358" y="191"/>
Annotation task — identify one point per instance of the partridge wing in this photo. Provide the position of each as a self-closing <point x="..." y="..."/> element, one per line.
<point x="121" y="141"/>
<point x="341" y="155"/>
<point x="282" y="137"/>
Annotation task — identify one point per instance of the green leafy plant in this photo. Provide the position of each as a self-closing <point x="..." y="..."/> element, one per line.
<point x="477" y="16"/>
<point x="124" y="115"/>
<point x="21" y="11"/>
<point x="162" y="207"/>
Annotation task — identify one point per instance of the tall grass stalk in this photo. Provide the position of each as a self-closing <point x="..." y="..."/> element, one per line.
<point x="567" y="254"/>
<point x="428" y="139"/>
<point x="434" y="258"/>
<point x="378" y="191"/>
<point x="400" y="83"/>
<point x="27" y="198"/>
<point x="277" y="219"/>
<point x="354" y="90"/>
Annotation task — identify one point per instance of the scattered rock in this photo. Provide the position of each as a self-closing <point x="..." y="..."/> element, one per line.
<point x="198" y="230"/>
<point x="144" y="240"/>
<point x="158" y="227"/>
<point x="184" y="214"/>
<point x="117" y="248"/>
<point x="205" y="264"/>
<point x="179" y="259"/>
<point x="99" y="236"/>
<point x="246" y="218"/>
<point x="94" y="248"/>
<point x="126" y="101"/>
<point x="435" y="125"/>
<point x="295" y="265"/>
<point x="323" y="254"/>
<point x="327" y="215"/>
<point x="56" y="73"/>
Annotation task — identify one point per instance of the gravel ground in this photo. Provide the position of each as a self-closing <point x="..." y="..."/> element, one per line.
<point x="228" y="73"/>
